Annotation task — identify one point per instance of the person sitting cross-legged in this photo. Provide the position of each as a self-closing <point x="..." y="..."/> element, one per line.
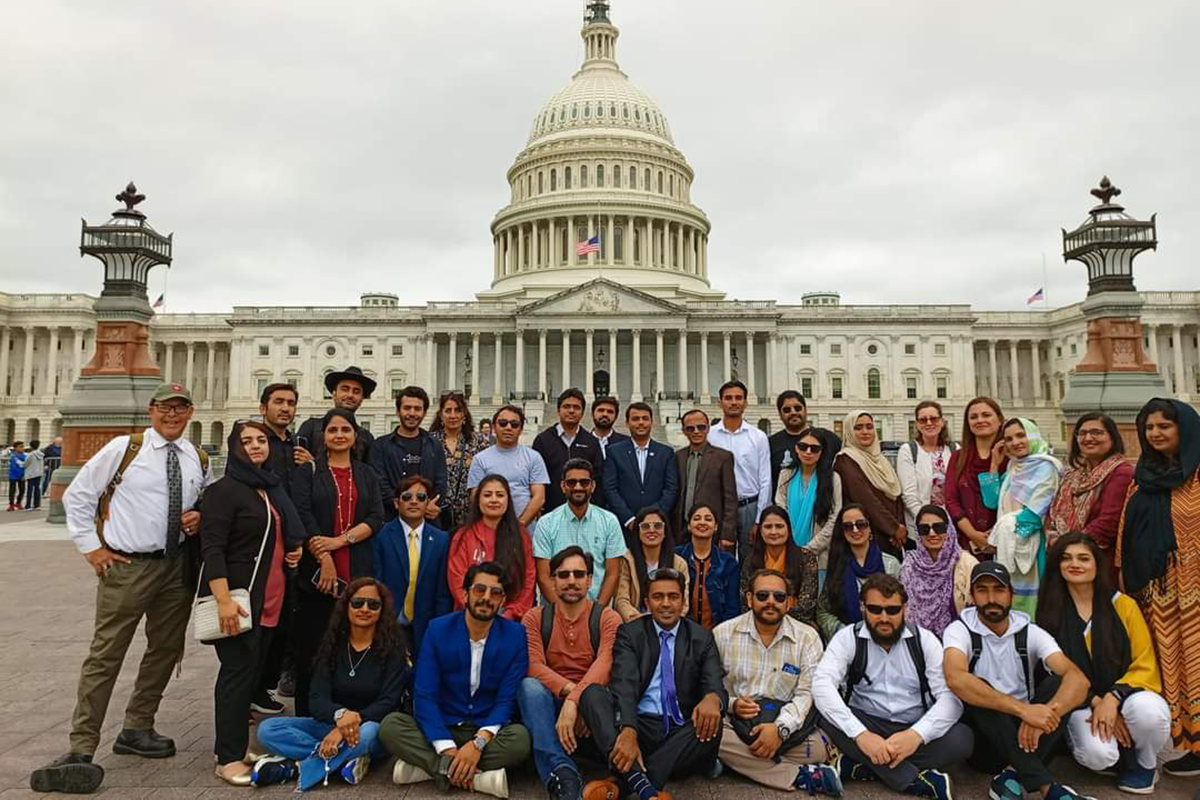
<point x="769" y="656"/>
<point x="358" y="677"/>
<point x="895" y="720"/>
<point x="660" y="715"/>
<point x="467" y="674"/>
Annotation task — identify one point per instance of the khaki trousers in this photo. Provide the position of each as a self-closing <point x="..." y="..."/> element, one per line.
<point x="402" y="736"/>
<point x="146" y="587"/>
<point x="736" y="755"/>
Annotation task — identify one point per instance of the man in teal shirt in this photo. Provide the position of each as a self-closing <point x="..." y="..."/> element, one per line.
<point x="578" y="522"/>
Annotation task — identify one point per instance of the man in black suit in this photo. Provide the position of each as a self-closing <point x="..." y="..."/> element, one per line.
<point x="639" y="472"/>
<point x="604" y="416"/>
<point x="564" y="441"/>
<point x="654" y="722"/>
<point x="705" y="478"/>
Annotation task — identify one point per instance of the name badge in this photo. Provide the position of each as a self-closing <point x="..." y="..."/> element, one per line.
<point x="791" y="669"/>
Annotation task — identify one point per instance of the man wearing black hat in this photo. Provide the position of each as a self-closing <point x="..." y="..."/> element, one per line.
<point x="990" y="655"/>
<point x="349" y="388"/>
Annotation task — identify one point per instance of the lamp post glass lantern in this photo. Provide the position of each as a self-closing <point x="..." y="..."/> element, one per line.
<point x="1108" y="241"/>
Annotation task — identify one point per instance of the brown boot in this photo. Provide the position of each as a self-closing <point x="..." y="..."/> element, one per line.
<point x="606" y="789"/>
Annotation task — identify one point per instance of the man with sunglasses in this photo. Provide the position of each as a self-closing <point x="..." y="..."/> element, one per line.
<point x="884" y="701"/>
<point x="770" y="733"/>
<point x="580" y="522"/>
<point x="471" y="663"/>
<point x="410" y="450"/>
<point x="793" y="413"/>
<point x="574" y="653"/>
<point x="522" y="466"/>
<point x="410" y="559"/>
<point x="705" y="477"/>
<point x="566" y="441"/>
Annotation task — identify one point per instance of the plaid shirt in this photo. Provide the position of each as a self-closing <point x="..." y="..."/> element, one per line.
<point x="782" y="671"/>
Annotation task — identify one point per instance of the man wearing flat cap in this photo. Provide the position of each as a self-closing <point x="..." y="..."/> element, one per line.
<point x="349" y="388"/>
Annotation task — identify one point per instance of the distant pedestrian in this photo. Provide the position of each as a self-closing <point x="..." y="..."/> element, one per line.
<point x="16" y="476"/>
<point x="35" y="468"/>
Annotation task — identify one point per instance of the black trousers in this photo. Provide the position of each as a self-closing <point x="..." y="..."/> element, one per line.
<point x="997" y="736"/>
<point x="281" y="643"/>
<point x="16" y="492"/>
<point x="308" y="627"/>
<point x="942" y="753"/>
<point x="676" y="753"/>
<point x="242" y="659"/>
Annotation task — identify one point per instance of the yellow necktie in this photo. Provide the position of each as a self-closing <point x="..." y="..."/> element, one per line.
<point x="414" y="557"/>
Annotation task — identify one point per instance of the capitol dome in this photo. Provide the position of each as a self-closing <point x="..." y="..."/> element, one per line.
<point x="600" y="190"/>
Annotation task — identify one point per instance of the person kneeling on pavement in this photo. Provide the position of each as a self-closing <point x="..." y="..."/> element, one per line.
<point x="895" y="720"/>
<point x="358" y="677"/>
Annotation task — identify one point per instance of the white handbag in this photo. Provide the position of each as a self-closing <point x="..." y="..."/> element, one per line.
<point x="205" y="621"/>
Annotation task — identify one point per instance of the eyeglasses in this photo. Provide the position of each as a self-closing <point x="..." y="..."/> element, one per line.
<point x="578" y="574"/>
<point x="762" y="596"/>
<point x="698" y="428"/>
<point x="572" y="483"/>
<point x="480" y="589"/>
<point x="372" y="603"/>
<point x="928" y="420"/>
<point x="806" y="447"/>
<point x="861" y="524"/>
<point x="891" y="611"/>
<point x="932" y="528"/>
<point x="1090" y="433"/>
<point x="509" y="423"/>
<point x="172" y="409"/>
<point x="408" y="496"/>
<point x="791" y="409"/>
<point x="651" y="525"/>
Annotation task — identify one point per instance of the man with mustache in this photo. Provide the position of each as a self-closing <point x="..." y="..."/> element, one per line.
<point x="895" y="720"/>
<point x="461" y="732"/>
<point x="769" y="659"/>
<point x="989" y="662"/>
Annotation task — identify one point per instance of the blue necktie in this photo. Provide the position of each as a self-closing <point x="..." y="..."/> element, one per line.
<point x="668" y="702"/>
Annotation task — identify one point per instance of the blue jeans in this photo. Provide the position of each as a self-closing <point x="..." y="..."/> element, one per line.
<point x="299" y="738"/>
<point x="539" y="713"/>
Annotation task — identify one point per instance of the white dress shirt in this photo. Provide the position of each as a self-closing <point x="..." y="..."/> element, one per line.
<point x="567" y="438"/>
<point x="641" y="452"/>
<point x="890" y="688"/>
<point x="137" y="516"/>
<point x="751" y="460"/>
<point x="477" y="648"/>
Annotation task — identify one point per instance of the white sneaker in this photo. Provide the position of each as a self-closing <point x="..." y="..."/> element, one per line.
<point x="493" y="782"/>
<point x="404" y="773"/>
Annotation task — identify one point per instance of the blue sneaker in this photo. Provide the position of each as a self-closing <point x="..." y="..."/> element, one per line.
<point x="931" y="783"/>
<point x="850" y="770"/>
<point x="1138" y="780"/>
<point x="1005" y="786"/>
<point x="273" y="770"/>
<point x="819" y="779"/>
<point x="1060" y="791"/>
<point x="354" y="770"/>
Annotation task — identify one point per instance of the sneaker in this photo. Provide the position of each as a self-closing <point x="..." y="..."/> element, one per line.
<point x="564" y="784"/>
<point x="73" y="773"/>
<point x="931" y="783"/>
<point x="1060" y="791"/>
<point x="287" y="684"/>
<point x="1005" y="786"/>
<point x="273" y="770"/>
<point x="819" y="779"/>
<point x="404" y="773"/>
<point x="1138" y="781"/>
<point x="264" y="703"/>
<point x="1185" y="767"/>
<point x="354" y="770"/>
<point x="850" y="770"/>
<point x="492" y="781"/>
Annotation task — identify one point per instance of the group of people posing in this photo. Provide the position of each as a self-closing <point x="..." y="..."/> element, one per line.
<point x="792" y="608"/>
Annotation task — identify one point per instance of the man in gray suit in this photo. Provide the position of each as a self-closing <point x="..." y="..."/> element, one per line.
<point x="705" y="477"/>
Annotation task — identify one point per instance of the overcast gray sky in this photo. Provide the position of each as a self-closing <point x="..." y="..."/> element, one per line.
<point x="303" y="152"/>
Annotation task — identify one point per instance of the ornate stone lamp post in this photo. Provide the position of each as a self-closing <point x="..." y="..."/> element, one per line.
<point x="1114" y="375"/>
<point x="113" y="391"/>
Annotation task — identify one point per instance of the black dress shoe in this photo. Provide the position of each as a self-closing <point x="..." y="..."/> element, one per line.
<point x="564" y="784"/>
<point x="147" y="744"/>
<point x="73" y="773"/>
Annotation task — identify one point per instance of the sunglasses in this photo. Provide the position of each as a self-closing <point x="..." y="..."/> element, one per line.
<point x="791" y="409"/>
<point x="407" y="496"/>
<point x="806" y="447"/>
<point x="509" y="423"/>
<point x="762" y="596"/>
<point x="932" y="528"/>
<point x="861" y="524"/>
<point x="372" y="603"/>
<point x="572" y="483"/>
<point x="927" y="420"/>
<point x="578" y="574"/>
<point x="891" y="611"/>
<point x="700" y="428"/>
<point x="649" y="525"/>
<point x="481" y="589"/>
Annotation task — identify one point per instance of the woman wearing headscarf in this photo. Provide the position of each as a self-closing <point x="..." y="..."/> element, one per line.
<point x="937" y="574"/>
<point x="869" y="480"/>
<point x="1158" y="552"/>
<point x="1021" y="498"/>
<point x="248" y="530"/>
<point x="811" y="493"/>
<point x="1092" y="492"/>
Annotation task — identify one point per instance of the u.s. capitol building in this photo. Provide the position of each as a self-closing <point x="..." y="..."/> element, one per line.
<point x="641" y="319"/>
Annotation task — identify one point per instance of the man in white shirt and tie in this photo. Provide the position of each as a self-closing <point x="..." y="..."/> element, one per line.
<point x="137" y="553"/>
<point x="751" y="463"/>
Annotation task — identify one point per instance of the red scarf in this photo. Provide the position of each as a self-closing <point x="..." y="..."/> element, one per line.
<point x="1078" y="490"/>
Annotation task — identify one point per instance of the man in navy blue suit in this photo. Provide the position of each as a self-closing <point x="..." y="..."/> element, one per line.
<point x="407" y="541"/>
<point x="470" y="665"/>
<point x="639" y="472"/>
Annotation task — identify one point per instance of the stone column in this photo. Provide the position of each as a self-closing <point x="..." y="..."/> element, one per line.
<point x="27" y="370"/>
<point x="612" y="360"/>
<point x="1035" y="354"/>
<point x="726" y="375"/>
<point x="542" y="363"/>
<point x="751" y="396"/>
<point x="520" y="362"/>
<point x="50" y="389"/>
<point x="572" y="258"/>
<point x="520" y="248"/>
<point x="769" y="370"/>
<point x="690" y="266"/>
<point x="498" y="374"/>
<point x="475" y="365"/>
<point x="566" y="359"/>
<point x="1152" y="337"/>
<point x="552" y="259"/>
<point x="636" y="387"/>
<point x="1179" y="385"/>
<point x="589" y="367"/>
<point x="210" y="375"/>
<point x="5" y="339"/>
<point x="537" y="245"/>
<point x="610" y="244"/>
<point x="169" y="362"/>
<point x="659" y="383"/>
<point x="680" y="253"/>
<point x="1014" y="365"/>
<point x="76" y="355"/>
<point x="993" y="387"/>
<point x="452" y="362"/>
<point x="431" y="363"/>
<point x="704" y="255"/>
<point x="705" y="396"/>
<point x="509" y="268"/>
<point x="190" y="372"/>
<point x="683" y="365"/>
<point x="496" y="256"/>
<point x="648" y="245"/>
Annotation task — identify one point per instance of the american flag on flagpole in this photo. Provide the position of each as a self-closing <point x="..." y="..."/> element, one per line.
<point x="1038" y="295"/>
<point x="592" y="245"/>
<point x="158" y="303"/>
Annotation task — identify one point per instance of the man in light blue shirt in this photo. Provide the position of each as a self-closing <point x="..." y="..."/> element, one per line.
<point x="521" y="466"/>
<point x="578" y="522"/>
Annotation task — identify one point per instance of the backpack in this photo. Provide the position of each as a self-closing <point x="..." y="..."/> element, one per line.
<point x="858" y="667"/>
<point x="593" y="625"/>
<point x="1021" y="640"/>
<point x="131" y="451"/>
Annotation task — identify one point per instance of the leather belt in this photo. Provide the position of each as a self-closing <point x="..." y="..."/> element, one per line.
<point x="745" y="501"/>
<point x="151" y="554"/>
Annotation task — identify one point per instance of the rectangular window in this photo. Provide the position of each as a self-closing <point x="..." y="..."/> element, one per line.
<point x="939" y="349"/>
<point x="910" y="388"/>
<point x="943" y="390"/>
<point x="368" y="350"/>
<point x="583" y="176"/>
<point x="874" y="384"/>
<point x="838" y="428"/>
<point x="835" y="349"/>
<point x="806" y="349"/>
<point x="835" y="386"/>
<point x="912" y="429"/>
<point x="806" y="387"/>
<point x="616" y="177"/>
<point x="262" y="384"/>
<point x="1074" y="348"/>
<point x="910" y="349"/>
<point x="293" y="350"/>
<point x="264" y="350"/>
<point x="1059" y="351"/>
<point x="292" y="382"/>
<point x="397" y="349"/>
<point x="397" y="387"/>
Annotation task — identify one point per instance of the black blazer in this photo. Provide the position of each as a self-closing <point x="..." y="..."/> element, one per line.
<point x="316" y="496"/>
<point x="698" y="669"/>
<point x="556" y="455"/>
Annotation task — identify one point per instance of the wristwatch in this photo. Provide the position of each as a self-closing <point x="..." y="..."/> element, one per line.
<point x="337" y="715"/>
<point x="349" y="537"/>
<point x="784" y="731"/>
<point x="480" y="742"/>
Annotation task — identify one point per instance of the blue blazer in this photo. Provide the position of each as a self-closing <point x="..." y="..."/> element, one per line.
<point x="626" y="493"/>
<point x="391" y="568"/>
<point x="442" y="692"/>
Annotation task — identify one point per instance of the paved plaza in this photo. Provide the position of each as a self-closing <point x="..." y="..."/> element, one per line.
<point x="45" y="627"/>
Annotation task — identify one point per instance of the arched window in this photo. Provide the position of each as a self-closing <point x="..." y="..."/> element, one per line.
<point x="529" y="186"/>
<point x="575" y="111"/>
<point x="633" y="177"/>
<point x="637" y="245"/>
<point x="541" y="182"/>
<point x="660" y="182"/>
<point x="626" y="111"/>
<point x="646" y="185"/>
<point x="616" y="176"/>
<point x="583" y="177"/>
<point x="565" y="242"/>
<point x="554" y="180"/>
<point x="619" y="243"/>
<point x="599" y="109"/>
<point x="613" y="110"/>
<point x="587" y="110"/>
<point x="874" y="388"/>
<point x="637" y="114"/>
<point x="567" y="178"/>
<point x="600" y="175"/>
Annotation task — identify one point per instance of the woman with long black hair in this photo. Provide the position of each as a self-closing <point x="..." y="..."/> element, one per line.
<point x="358" y="677"/>
<point x="648" y="543"/>
<point x="775" y="548"/>
<point x="492" y="532"/>
<point x="854" y="556"/>
<point x="454" y="429"/>
<point x="1103" y="632"/>
<point x="248" y="530"/>
<point x="811" y="492"/>
<point x="338" y="498"/>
